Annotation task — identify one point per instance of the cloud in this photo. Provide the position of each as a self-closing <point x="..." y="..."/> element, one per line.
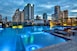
<point x="67" y="6"/>
<point x="74" y="11"/>
<point x="71" y="16"/>
<point x="8" y="7"/>
<point x="47" y="6"/>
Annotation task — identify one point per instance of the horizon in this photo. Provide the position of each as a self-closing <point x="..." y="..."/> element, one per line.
<point x="8" y="7"/>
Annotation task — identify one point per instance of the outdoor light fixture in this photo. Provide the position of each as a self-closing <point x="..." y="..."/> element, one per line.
<point x="65" y="24"/>
<point x="19" y="26"/>
<point x="14" y="27"/>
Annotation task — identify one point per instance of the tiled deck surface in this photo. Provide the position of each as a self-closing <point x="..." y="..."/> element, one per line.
<point x="59" y="35"/>
<point x="70" y="45"/>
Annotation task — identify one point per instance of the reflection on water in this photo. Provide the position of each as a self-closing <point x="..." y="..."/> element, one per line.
<point x="33" y="29"/>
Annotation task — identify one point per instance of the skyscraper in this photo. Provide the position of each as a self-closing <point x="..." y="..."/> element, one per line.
<point x="22" y="16"/>
<point x="65" y="15"/>
<point x="57" y="12"/>
<point x="57" y="9"/>
<point x="53" y="17"/>
<point x="17" y="16"/>
<point x="45" y="16"/>
<point x="0" y="18"/>
<point x="29" y="12"/>
<point x="6" y="19"/>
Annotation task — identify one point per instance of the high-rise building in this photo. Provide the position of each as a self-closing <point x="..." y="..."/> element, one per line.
<point x="57" y="12"/>
<point x="6" y="19"/>
<point x="0" y="18"/>
<point x="57" y="9"/>
<point x="17" y="16"/>
<point x="53" y="17"/>
<point x="65" y="15"/>
<point x="22" y="16"/>
<point x="45" y="16"/>
<point x="29" y="12"/>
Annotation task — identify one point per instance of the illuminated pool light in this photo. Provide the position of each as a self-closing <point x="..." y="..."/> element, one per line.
<point x="1" y="28"/>
<point x="32" y="47"/>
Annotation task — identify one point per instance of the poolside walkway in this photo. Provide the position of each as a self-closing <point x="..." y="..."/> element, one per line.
<point x="70" y="45"/>
<point x="59" y="35"/>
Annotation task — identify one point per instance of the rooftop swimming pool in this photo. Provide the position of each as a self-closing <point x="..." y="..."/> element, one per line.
<point x="27" y="39"/>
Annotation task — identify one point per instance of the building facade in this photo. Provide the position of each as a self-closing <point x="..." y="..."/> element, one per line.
<point x="60" y="16"/>
<point x="57" y="12"/>
<point x="6" y="19"/>
<point x="22" y="16"/>
<point x="45" y="16"/>
<point x="65" y="15"/>
<point x="56" y="15"/>
<point x="17" y="16"/>
<point x="0" y="18"/>
<point x="29" y="12"/>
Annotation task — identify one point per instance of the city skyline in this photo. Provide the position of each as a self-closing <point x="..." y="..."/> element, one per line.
<point x="8" y="7"/>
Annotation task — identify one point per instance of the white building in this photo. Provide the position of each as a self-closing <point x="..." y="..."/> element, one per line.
<point x="38" y="22"/>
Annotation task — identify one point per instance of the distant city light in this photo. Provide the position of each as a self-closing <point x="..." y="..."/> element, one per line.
<point x="51" y="24"/>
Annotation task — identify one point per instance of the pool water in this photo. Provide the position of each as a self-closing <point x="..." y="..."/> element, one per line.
<point x="27" y="39"/>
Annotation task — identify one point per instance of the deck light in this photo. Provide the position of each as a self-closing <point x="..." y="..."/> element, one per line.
<point x="14" y="27"/>
<point x="20" y="26"/>
<point x="65" y="24"/>
<point x="74" y="24"/>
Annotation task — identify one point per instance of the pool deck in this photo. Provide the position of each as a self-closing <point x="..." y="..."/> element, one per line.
<point x="70" y="45"/>
<point x="59" y="35"/>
